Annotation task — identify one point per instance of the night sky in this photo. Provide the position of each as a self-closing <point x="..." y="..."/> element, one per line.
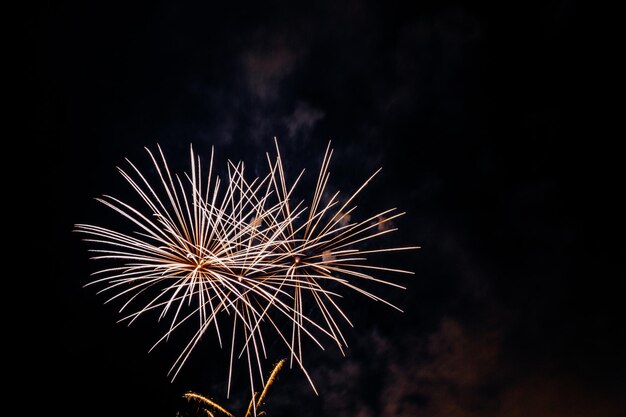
<point x="474" y="111"/>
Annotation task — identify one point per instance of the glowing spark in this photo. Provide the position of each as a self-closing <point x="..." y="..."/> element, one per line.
<point x="207" y="402"/>
<point x="253" y="406"/>
<point x="200" y="250"/>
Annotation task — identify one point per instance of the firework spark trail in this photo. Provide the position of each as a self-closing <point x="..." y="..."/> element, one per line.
<point x="245" y="248"/>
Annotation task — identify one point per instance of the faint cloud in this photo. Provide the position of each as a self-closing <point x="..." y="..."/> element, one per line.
<point x="265" y="69"/>
<point x="382" y="224"/>
<point x="458" y="370"/>
<point x="459" y="356"/>
<point x="344" y="219"/>
<point x="544" y="396"/>
<point x="302" y="120"/>
<point x="449" y="382"/>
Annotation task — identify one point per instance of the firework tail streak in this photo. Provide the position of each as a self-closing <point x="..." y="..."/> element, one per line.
<point x="197" y="252"/>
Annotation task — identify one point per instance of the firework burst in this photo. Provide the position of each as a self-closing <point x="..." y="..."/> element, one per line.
<point x="241" y="256"/>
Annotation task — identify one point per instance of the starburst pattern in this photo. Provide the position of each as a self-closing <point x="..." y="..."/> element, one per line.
<point x="200" y="250"/>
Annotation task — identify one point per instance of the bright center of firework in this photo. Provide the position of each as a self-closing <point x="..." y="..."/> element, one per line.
<point x="297" y="260"/>
<point x="197" y="262"/>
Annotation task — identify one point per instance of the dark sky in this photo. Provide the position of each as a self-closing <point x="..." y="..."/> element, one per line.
<point x="474" y="111"/>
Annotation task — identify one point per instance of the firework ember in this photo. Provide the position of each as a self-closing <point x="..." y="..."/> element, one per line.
<point x="241" y="256"/>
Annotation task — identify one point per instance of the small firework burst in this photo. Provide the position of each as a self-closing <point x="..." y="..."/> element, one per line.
<point x="240" y="254"/>
<point x="205" y="406"/>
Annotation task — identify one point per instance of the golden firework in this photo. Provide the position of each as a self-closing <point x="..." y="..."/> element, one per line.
<point x="200" y="249"/>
